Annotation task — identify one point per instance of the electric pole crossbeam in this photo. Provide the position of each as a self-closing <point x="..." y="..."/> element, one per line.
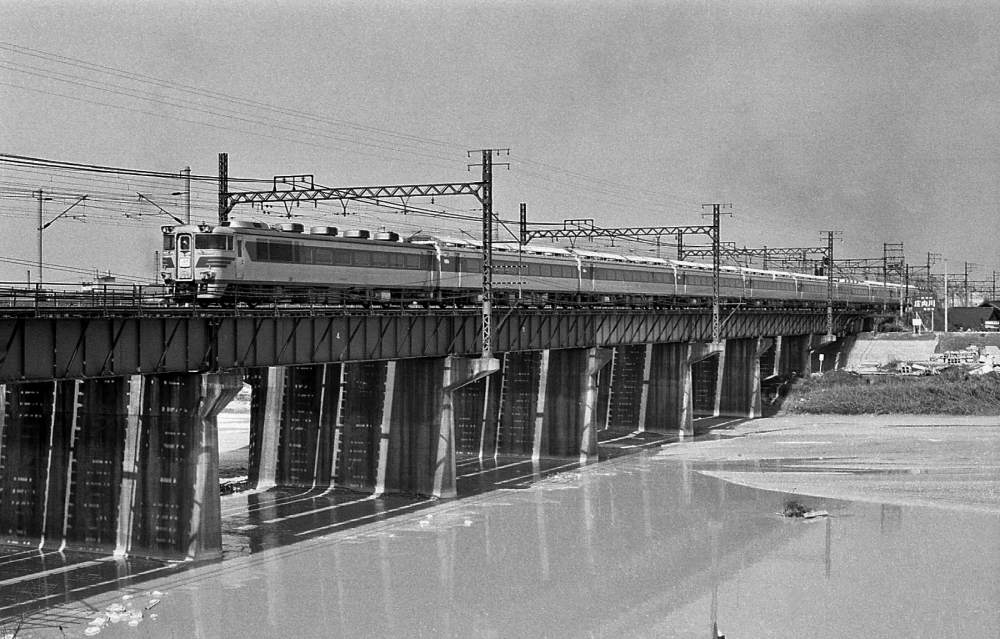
<point x="354" y="193"/>
<point x="592" y="232"/>
<point x="726" y="249"/>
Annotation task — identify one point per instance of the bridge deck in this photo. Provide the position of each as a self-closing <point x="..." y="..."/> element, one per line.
<point x="75" y="346"/>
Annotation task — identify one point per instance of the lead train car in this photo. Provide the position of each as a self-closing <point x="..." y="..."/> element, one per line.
<point x="250" y="262"/>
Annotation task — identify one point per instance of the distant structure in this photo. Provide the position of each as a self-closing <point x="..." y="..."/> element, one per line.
<point x="985" y="317"/>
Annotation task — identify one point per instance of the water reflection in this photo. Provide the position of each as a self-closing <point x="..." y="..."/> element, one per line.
<point x="639" y="547"/>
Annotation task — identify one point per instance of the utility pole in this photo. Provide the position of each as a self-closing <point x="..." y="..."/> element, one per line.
<point x="487" y="197"/>
<point x="896" y="248"/>
<point x="830" y="237"/>
<point x="965" y="285"/>
<point x="224" y="204"/>
<point x="716" y="267"/>
<point x="186" y="174"/>
<point x="39" y="236"/>
<point x="932" y="258"/>
<point x="906" y="288"/>
<point x="947" y="302"/>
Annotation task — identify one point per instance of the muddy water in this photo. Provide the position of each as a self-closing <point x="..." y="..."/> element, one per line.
<point x="665" y="543"/>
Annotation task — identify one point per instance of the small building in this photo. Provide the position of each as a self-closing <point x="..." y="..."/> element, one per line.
<point x="975" y="318"/>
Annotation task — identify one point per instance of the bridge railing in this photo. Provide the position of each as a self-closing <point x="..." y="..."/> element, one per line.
<point x="77" y="297"/>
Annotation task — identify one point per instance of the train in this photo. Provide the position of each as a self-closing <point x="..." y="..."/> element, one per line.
<point x="242" y="262"/>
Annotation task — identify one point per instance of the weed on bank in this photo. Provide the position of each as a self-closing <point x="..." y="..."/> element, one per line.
<point x="952" y="392"/>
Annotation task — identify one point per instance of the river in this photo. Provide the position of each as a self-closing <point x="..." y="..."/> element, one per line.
<point x="673" y="541"/>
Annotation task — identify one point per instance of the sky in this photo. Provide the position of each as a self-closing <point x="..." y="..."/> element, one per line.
<point x="878" y="119"/>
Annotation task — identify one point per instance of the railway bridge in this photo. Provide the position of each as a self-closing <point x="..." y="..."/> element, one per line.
<point x="108" y="429"/>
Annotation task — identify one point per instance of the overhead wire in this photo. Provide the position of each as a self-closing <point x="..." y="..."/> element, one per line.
<point x="574" y="183"/>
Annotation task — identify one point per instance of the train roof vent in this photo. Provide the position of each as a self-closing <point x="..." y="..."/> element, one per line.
<point x="357" y="233"/>
<point x="241" y="224"/>
<point x="387" y="236"/>
<point x="323" y="230"/>
<point x="290" y="227"/>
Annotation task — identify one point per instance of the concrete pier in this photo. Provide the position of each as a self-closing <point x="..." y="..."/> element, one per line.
<point x="370" y="426"/>
<point x="144" y="445"/>
<point x="129" y="465"/>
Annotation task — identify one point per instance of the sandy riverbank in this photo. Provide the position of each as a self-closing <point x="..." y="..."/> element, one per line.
<point x="926" y="460"/>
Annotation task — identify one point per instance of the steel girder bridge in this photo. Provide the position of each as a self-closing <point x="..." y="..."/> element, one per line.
<point x="76" y="347"/>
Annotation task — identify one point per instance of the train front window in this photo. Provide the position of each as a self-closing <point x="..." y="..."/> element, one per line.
<point x="168" y="242"/>
<point x="211" y="242"/>
<point x="184" y="242"/>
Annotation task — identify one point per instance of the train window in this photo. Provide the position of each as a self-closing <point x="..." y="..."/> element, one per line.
<point x="380" y="260"/>
<point x="210" y="242"/>
<point x="281" y="252"/>
<point x="322" y="255"/>
<point x="185" y="242"/>
<point x="168" y="242"/>
<point x="341" y="257"/>
<point x="239" y="248"/>
<point x="413" y="261"/>
<point x="257" y="250"/>
<point x="362" y="258"/>
<point x="545" y="270"/>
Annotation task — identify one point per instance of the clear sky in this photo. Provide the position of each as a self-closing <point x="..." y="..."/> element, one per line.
<point x="878" y="119"/>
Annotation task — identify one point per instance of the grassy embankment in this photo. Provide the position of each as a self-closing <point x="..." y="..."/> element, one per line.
<point x="840" y="393"/>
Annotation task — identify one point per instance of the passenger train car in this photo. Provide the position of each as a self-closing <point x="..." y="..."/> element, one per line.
<point x="241" y="262"/>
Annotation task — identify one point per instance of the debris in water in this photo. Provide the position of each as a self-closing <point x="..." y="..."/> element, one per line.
<point x="92" y="630"/>
<point x="797" y="510"/>
<point x="152" y="602"/>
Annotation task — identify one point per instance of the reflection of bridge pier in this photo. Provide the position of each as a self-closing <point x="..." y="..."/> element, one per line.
<point x="129" y="463"/>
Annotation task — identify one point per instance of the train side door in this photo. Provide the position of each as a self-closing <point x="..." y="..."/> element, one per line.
<point x="185" y="269"/>
<point x="240" y="258"/>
